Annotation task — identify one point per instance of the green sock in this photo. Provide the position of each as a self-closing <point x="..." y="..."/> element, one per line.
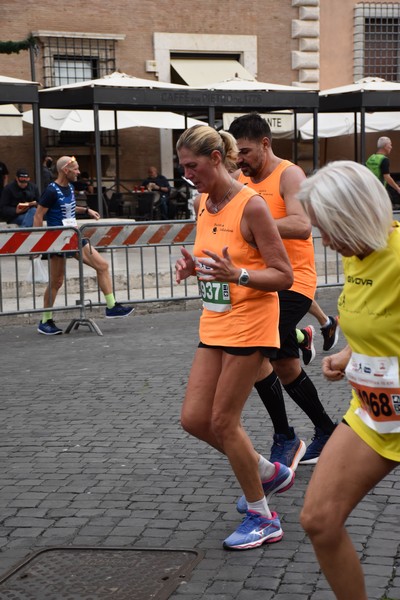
<point x="47" y="316"/>
<point x="110" y="300"/>
<point x="300" y="336"/>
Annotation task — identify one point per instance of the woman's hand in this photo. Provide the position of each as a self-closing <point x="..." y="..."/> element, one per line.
<point x="184" y="267"/>
<point x="218" y="268"/>
<point x="333" y="366"/>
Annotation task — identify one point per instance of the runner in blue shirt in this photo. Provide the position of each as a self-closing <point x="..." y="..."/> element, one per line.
<point x="58" y="207"/>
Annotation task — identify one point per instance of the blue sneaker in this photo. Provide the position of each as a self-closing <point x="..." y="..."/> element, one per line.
<point x="287" y="451"/>
<point x="254" y="531"/>
<point x="281" y="481"/>
<point x="49" y="328"/>
<point x="118" y="311"/>
<point x="315" y="448"/>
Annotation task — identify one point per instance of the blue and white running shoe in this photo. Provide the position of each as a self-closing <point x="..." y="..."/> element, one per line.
<point x="281" y="481"/>
<point x="118" y="311"/>
<point x="254" y="531"/>
<point x="287" y="451"/>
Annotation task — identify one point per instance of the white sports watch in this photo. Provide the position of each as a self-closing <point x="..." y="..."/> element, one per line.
<point x="244" y="277"/>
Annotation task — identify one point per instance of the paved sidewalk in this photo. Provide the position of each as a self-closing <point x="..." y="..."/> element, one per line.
<point x="92" y="453"/>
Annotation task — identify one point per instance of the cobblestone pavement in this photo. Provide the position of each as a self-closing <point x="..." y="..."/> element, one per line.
<point x="92" y="453"/>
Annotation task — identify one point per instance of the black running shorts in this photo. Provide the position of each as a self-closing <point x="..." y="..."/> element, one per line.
<point x="293" y="306"/>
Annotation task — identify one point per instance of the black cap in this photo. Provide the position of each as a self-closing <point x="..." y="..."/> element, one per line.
<point x="22" y="173"/>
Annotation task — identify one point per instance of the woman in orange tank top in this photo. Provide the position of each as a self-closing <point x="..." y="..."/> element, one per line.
<point x="240" y="263"/>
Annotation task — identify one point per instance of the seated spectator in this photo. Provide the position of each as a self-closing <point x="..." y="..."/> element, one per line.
<point x="19" y="200"/>
<point x="159" y="183"/>
<point x="83" y="185"/>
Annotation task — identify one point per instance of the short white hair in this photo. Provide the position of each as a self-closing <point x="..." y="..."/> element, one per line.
<point x="350" y="204"/>
<point x="382" y="141"/>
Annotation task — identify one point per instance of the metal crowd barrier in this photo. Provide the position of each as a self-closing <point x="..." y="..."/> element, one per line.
<point x="141" y="256"/>
<point x="19" y="247"/>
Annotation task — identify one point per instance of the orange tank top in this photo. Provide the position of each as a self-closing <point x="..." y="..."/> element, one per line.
<point x="233" y="315"/>
<point x="300" y="252"/>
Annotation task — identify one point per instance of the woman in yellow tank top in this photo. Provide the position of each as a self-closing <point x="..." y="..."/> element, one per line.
<point x="240" y="263"/>
<point x="353" y="212"/>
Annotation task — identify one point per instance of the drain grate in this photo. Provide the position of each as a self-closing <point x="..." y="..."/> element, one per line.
<point x="98" y="573"/>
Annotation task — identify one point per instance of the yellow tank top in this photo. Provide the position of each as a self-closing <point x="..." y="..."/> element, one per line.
<point x="233" y="315"/>
<point x="300" y="252"/>
<point x="369" y="307"/>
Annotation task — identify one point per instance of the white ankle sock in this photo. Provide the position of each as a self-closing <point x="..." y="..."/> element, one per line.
<point x="265" y="468"/>
<point x="261" y="507"/>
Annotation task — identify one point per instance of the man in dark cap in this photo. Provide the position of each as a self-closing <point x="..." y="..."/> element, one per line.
<point x="19" y="200"/>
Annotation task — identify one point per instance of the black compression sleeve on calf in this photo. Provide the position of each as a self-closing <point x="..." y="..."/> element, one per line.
<point x="270" y="391"/>
<point x="303" y="392"/>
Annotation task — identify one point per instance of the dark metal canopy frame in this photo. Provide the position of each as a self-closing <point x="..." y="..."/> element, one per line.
<point x="20" y="92"/>
<point x="360" y="101"/>
<point x="183" y="101"/>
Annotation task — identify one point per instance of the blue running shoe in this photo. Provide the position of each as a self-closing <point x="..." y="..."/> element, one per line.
<point x="254" y="531"/>
<point x="315" y="448"/>
<point x="49" y="328"/>
<point x="118" y="311"/>
<point x="287" y="451"/>
<point x="281" y="481"/>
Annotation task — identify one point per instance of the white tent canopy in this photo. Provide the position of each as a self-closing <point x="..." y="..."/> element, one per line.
<point x="59" y="119"/>
<point x="20" y="91"/>
<point x="374" y="84"/>
<point x="240" y="84"/>
<point x="13" y="80"/>
<point x="117" y="80"/>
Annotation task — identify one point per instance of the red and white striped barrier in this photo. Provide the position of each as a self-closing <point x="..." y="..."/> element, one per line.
<point x="140" y="234"/>
<point x="38" y="241"/>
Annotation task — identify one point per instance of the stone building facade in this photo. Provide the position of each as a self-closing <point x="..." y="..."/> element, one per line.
<point x="308" y="43"/>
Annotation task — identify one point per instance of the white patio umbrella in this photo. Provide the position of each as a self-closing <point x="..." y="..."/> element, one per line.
<point x="336" y="124"/>
<point x="329" y="125"/>
<point x="10" y="120"/>
<point x="59" y="119"/>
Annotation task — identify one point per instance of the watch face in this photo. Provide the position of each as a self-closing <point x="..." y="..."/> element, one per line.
<point x="244" y="278"/>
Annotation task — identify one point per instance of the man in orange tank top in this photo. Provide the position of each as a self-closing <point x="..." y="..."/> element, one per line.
<point x="277" y="181"/>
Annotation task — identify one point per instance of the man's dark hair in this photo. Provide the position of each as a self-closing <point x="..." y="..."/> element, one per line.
<point x="252" y="126"/>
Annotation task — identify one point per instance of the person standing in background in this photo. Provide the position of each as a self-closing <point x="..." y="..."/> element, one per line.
<point x="47" y="172"/>
<point x="3" y="176"/>
<point x="379" y="163"/>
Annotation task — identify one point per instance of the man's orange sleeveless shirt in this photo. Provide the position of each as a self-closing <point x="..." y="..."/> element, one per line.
<point x="300" y="252"/>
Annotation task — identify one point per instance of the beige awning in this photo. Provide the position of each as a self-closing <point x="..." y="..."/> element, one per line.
<point x="196" y="71"/>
